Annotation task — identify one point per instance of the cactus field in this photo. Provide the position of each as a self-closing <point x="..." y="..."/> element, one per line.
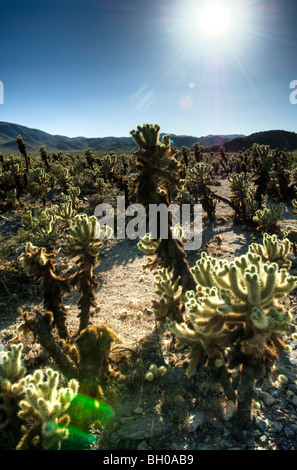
<point x="119" y="343"/>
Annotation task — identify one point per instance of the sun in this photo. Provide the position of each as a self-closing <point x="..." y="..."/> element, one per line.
<point x="214" y="19"/>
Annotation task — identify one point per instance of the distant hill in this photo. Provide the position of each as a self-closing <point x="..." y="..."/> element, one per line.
<point x="207" y="141"/>
<point x="35" y="138"/>
<point x="276" y="139"/>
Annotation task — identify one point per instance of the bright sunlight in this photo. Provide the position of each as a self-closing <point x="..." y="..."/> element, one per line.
<point x="215" y="19"/>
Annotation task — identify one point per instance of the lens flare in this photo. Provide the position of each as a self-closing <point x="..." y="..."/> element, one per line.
<point x="186" y="102"/>
<point x="85" y="412"/>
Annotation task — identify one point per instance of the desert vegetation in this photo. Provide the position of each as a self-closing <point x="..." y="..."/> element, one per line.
<point x="210" y="325"/>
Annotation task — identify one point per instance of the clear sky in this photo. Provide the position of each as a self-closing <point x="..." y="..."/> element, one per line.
<point x="99" y="68"/>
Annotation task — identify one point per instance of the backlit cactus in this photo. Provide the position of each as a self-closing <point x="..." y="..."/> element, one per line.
<point x="234" y="319"/>
<point x="200" y="180"/>
<point x="268" y="219"/>
<point x="41" y="266"/>
<point x="154" y="372"/>
<point x="158" y="169"/>
<point x="155" y="162"/>
<point x="61" y="175"/>
<point x="263" y="163"/>
<point x="83" y="237"/>
<point x="12" y="384"/>
<point x="72" y="196"/>
<point x="169" y="305"/>
<point x="272" y="250"/>
<point x="239" y="187"/>
<point x="65" y="212"/>
<point x="45" y="406"/>
<point x="83" y="242"/>
<point x="94" y="344"/>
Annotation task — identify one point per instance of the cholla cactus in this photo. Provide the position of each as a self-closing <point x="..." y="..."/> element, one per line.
<point x="12" y="368"/>
<point x="38" y="181"/>
<point x="155" y="372"/>
<point x="107" y="165"/>
<point x="65" y="213"/>
<point x="22" y="148"/>
<point x="40" y="265"/>
<point x="200" y="179"/>
<point x="252" y="205"/>
<point x="268" y="218"/>
<point x="170" y="305"/>
<point x="94" y="344"/>
<point x="10" y="197"/>
<point x="48" y="234"/>
<point x="83" y="242"/>
<point x="239" y="187"/>
<point x="90" y="157"/>
<point x="235" y="320"/>
<point x="72" y="196"/>
<point x="158" y="169"/>
<point x="83" y="238"/>
<point x="263" y="163"/>
<point x="272" y="250"/>
<point x="44" y="156"/>
<point x="155" y="160"/>
<point x="184" y="196"/>
<point x="12" y="384"/>
<point x="45" y="404"/>
<point x="148" y="246"/>
<point x="61" y="175"/>
<point x="42" y="228"/>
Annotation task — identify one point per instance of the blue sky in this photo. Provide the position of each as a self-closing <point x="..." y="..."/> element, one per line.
<point x="99" y="68"/>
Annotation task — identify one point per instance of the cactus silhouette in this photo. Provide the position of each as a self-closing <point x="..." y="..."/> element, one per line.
<point x="22" y="148"/>
<point x="157" y="168"/>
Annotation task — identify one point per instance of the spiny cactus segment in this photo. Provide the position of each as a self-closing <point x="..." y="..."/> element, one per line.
<point x="268" y="219"/>
<point x="83" y="237"/>
<point x="40" y="265"/>
<point x="12" y="370"/>
<point x="154" y="372"/>
<point x="272" y="250"/>
<point x="234" y="318"/>
<point x="45" y="404"/>
<point x="83" y="241"/>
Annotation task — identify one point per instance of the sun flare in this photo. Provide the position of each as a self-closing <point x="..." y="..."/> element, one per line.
<point x="214" y="19"/>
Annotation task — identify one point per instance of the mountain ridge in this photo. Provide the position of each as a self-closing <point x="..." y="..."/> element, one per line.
<point x="35" y="138"/>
